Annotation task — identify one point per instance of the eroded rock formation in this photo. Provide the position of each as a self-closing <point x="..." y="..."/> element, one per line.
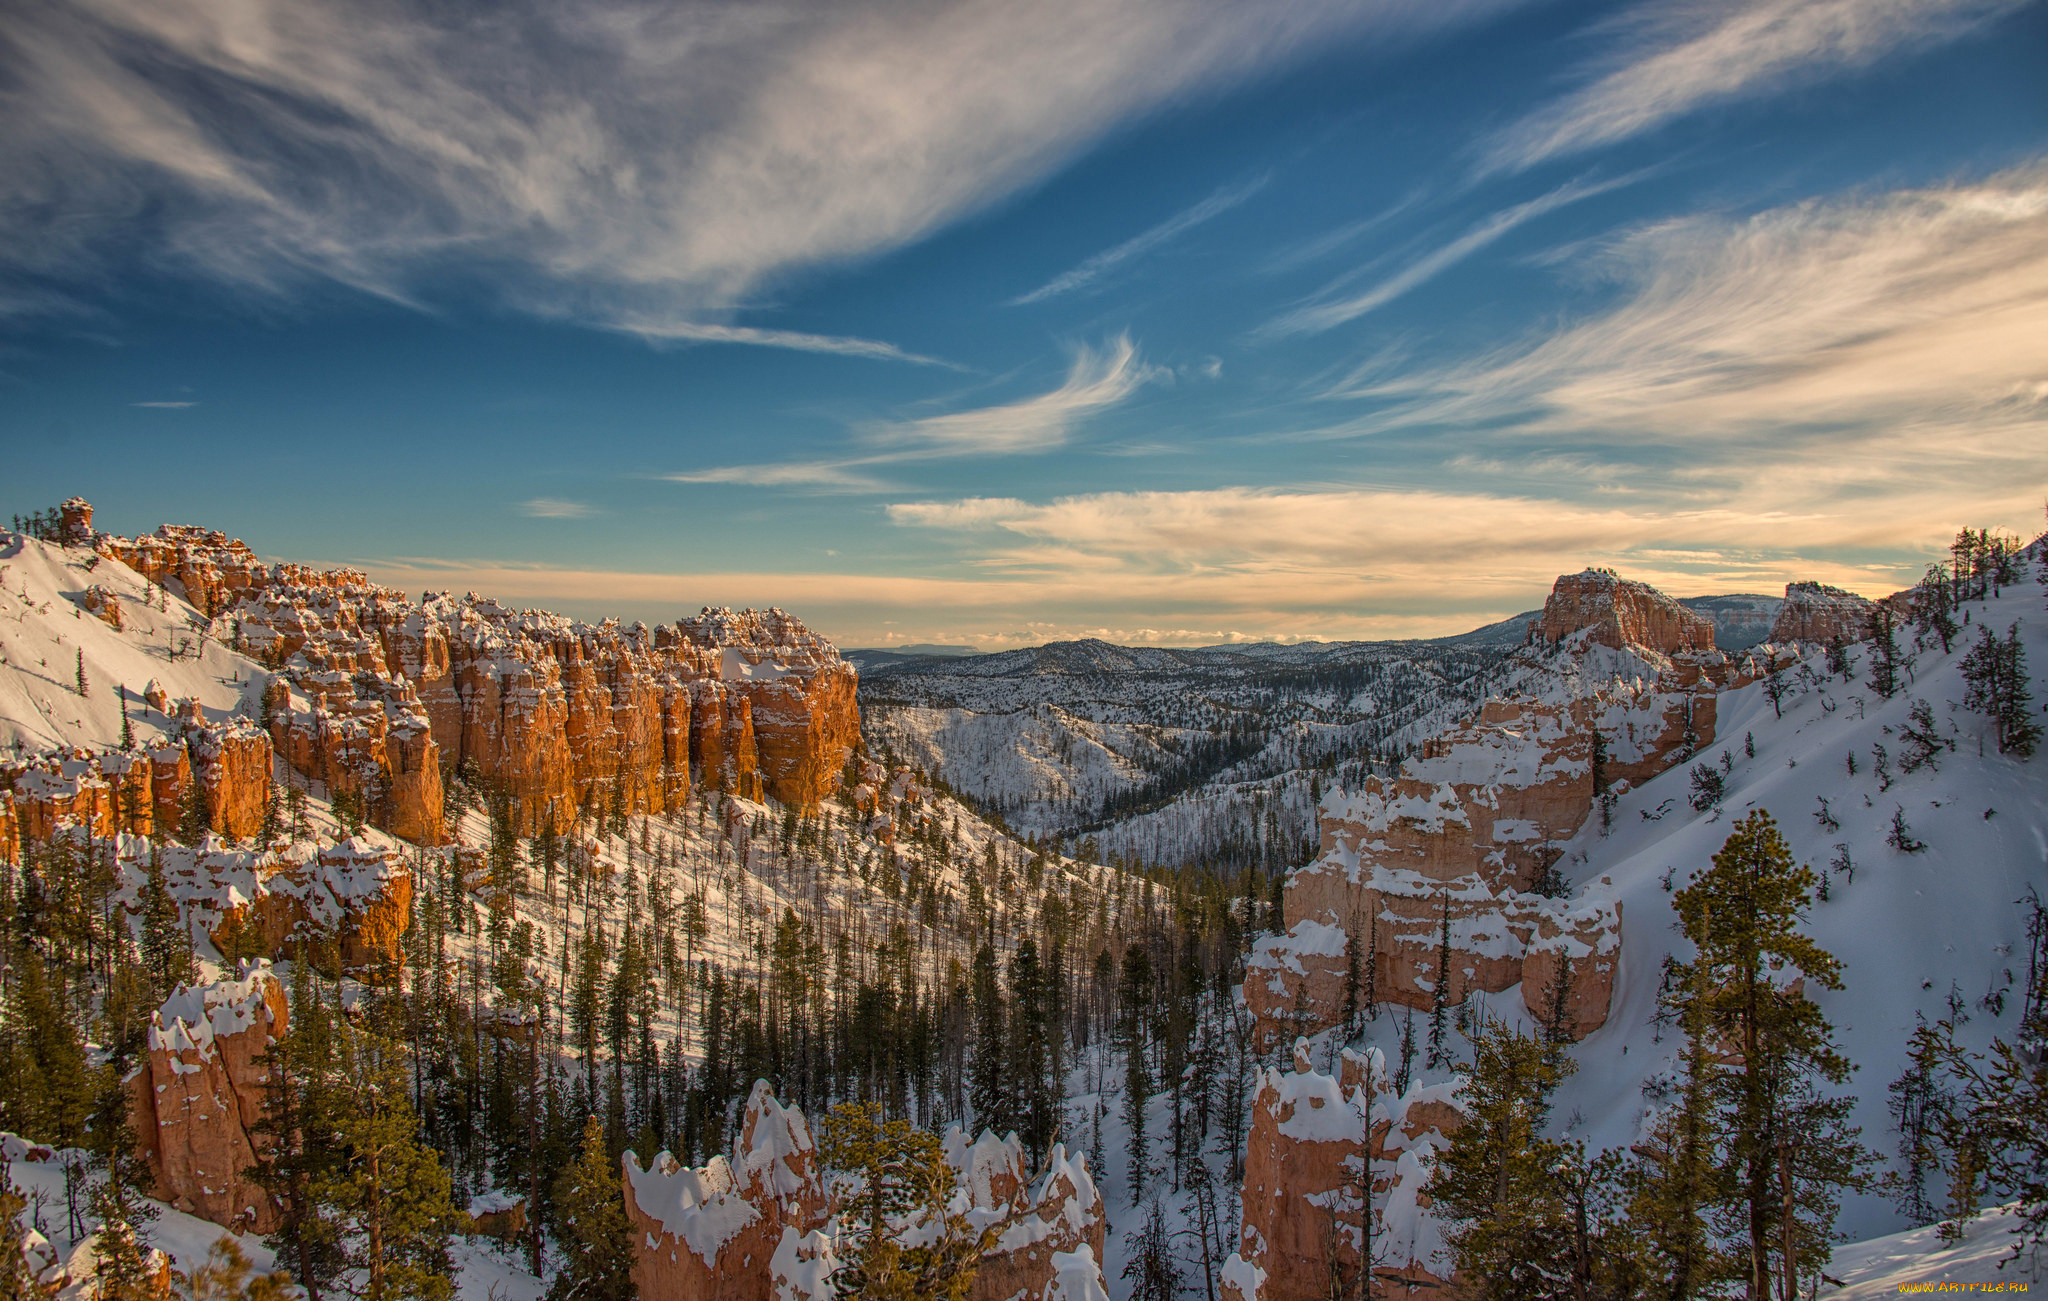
<point x="1818" y="614"/>
<point x="715" y="1231"/>
<point x="375" y="692"/>
<point x="750" y="1227"/>
<point x="1444" y="871"/>
<point x="1620" y="613"/>
<point x="1316" y="1144"/>
<point x="198" y="1104"/>
<point x="1038" y="1222"/>
<point x="346" y="903"/>
<point x="141" y="791"/>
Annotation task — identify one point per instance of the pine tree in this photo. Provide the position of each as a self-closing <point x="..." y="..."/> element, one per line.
<point x="1997" y="685"/>
<point x="122" y="1267"/>
<point x="166" y="949"/>
<point x="1789" y="1150"/>
<point x="294" y="1125"/>
<point x="1030" y="1051"/>
<point x="1154" y="1273"/>
<point x="224" y="1276"/>
<point x="1838" y="664"/>
<point x="987" y="1087"/>
<point x="1440" y="991"/>
<point x="127" y="727"/>
<point x="1135" y="998"/>
<point x="1498" y="1182"/>
<point x="84" y="687"/>
<point x="1920" y="742"/>
<point x="595" y="1237"/>
<point x="1918" y="1097"/>
<point x="192" y="820"/>
<point x="1884" y="652"/>
<point x="904" y="1182"/>
<point x="1934" y="607"/>
<point x="386" y="1189"/>
<point x="1675" y="1177"/>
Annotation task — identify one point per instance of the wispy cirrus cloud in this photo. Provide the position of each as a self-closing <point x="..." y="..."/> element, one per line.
<point x="1326" y="312"/>
<point x="1843" y="338"/>
<point x="1097" y="379"/>
<point x="609" y="163"/>
<point x="164" y="406"/>
<point x="1091" y="270"/>
<point x="1243" y="548"/>
<point x="672" y="331"/>
<point x="1683" y="55"/>
<point x="809" y="476"/>
<point x="556" y="508"/>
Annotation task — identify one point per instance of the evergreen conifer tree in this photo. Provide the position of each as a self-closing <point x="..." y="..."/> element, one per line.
<point x="1788" y="1149"/>
<point x="1440" y="991"/>
<point x="1884" y="653"/>
<point x="1135" y="998"/>
<point x="987" y="1087"/>
<point x="1531" y="1218"/>
<point x="595" y="1237"/>
<point x="1995" y="672"/>
<point x="905" y="1182"/>
<point x="387" y="1187"/>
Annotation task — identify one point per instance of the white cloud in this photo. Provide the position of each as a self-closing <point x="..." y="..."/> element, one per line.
<point x="1179" y="224"/>
<point x="1096" y="380"/>
<point x="1686" y="54"/>
<point x="164" y="406"/>
<point x="1315" y="317"/>
<point x="555" y="508"/>
<point x="617" y="162"/>
<point x="1890" y="341"/>
<point x="833" y="344"/>
<point x="1385" y="549"/>
<point x="817" y="476"/>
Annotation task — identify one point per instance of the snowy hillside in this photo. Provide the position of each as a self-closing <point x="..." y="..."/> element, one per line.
<point x="1914" y="929"/>
<point x="46" y="634"/>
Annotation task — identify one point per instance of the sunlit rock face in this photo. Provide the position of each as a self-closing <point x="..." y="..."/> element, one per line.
<point x="715" y="1231"/>
<point x="1617" y="612"/>
<point x="198" y="1104"/>
<point x="1819" y="614"/>
<point x="373" y="691"/>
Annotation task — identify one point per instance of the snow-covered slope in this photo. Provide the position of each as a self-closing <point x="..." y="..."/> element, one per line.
<point x="45" y="628"/>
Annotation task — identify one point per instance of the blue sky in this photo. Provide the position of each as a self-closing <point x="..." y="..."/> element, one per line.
<point x="955" y="320"/>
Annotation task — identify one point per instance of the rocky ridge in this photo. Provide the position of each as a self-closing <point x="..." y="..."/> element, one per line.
<point x="372" y="690"/>
<point x="1440" y="872"/>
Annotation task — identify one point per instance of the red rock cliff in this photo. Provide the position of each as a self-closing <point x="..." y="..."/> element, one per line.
<point x="377" y="691"/>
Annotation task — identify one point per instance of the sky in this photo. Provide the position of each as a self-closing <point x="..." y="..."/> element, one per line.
<point x="994" y="322"/>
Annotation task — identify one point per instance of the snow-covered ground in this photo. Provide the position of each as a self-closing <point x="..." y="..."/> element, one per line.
<point x="1917" y="1260"/>
<point x="44" y="629"/>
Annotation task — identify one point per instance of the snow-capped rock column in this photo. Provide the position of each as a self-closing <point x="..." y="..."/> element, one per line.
<point x="199" y="1102"/>
<point x="1315" y="1142"/>
<point x="727" y="1229"/>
